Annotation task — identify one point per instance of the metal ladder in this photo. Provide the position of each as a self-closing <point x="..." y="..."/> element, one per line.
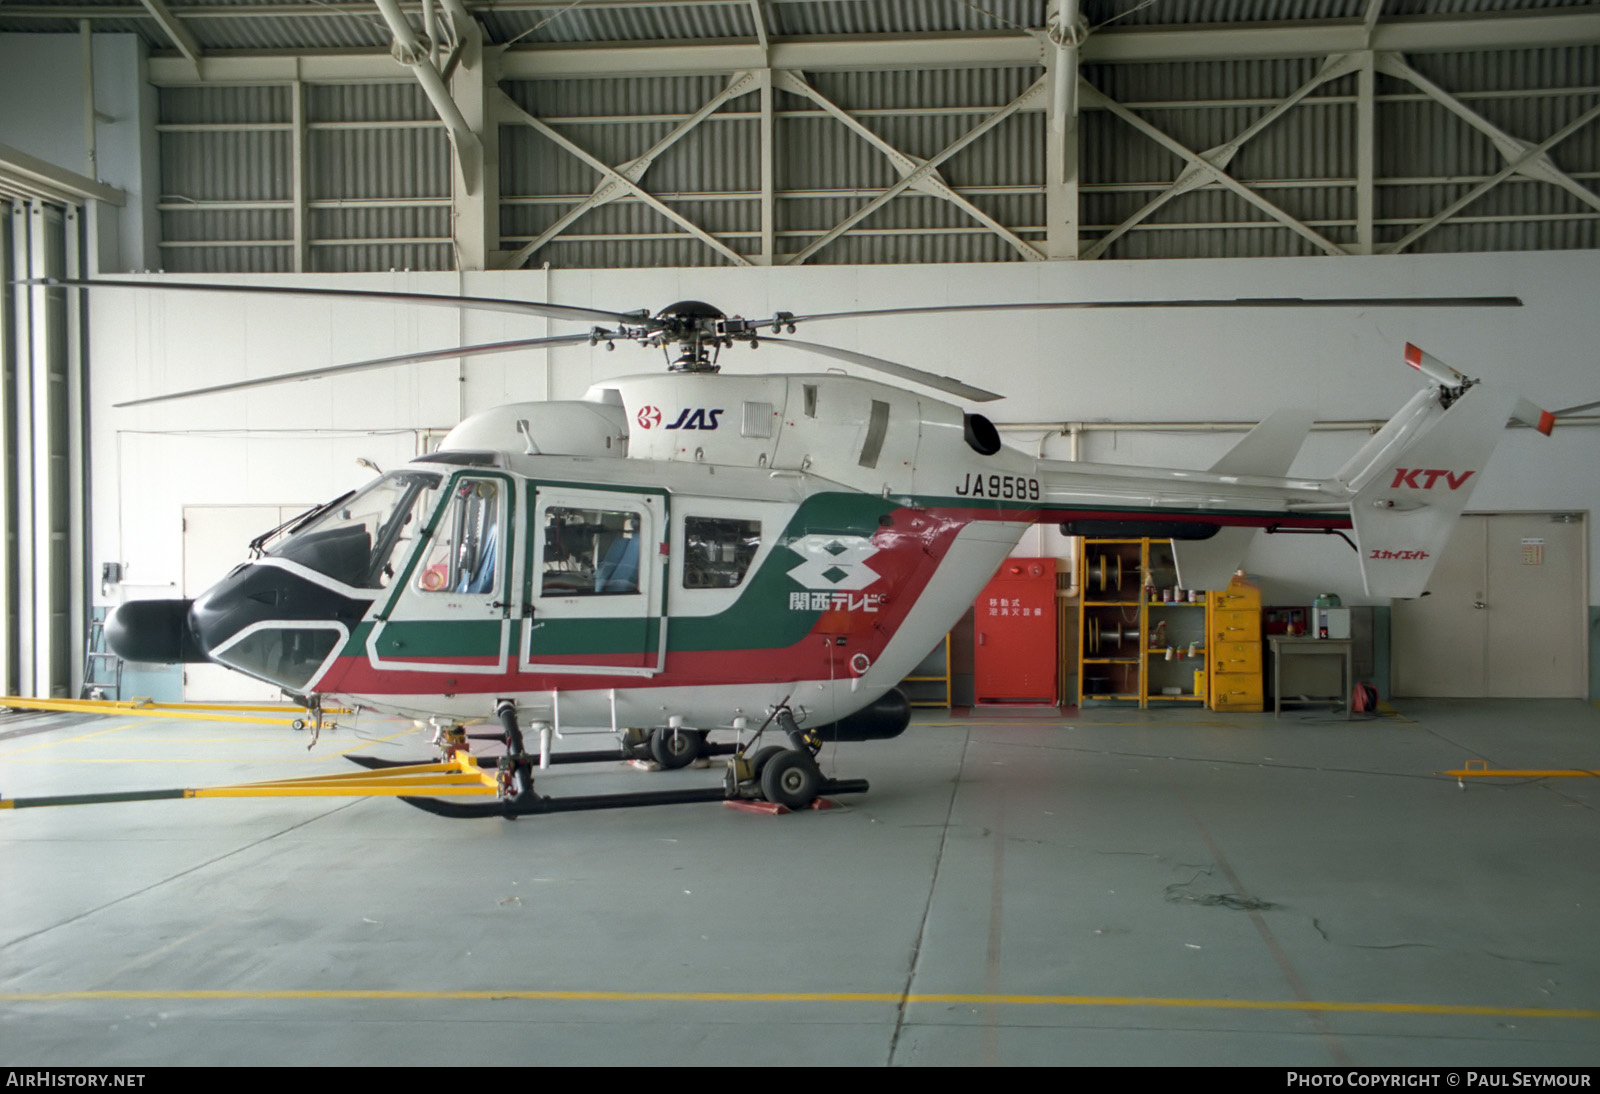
<point x="99" y="662"/>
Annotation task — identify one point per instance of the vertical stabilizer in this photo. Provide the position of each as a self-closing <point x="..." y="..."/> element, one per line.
<point x="1414" y="478"/>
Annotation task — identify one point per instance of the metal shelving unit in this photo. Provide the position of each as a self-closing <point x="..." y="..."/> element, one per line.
<point x="1140" y="640"/>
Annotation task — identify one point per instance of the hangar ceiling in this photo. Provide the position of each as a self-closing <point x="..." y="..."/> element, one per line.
<point x="330" y="135"/>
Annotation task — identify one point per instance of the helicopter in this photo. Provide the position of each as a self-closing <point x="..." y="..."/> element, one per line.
<point x="680" y="553"/>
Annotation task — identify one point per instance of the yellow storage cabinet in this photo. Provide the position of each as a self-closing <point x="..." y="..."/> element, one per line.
<point x="1233" y="626"/>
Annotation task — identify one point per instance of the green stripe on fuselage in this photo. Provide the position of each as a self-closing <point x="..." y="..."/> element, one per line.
<point x="759" y="619"/>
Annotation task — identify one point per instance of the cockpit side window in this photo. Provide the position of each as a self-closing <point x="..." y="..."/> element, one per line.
<point x="355" y="540"/>
<point x="464" y="556"/>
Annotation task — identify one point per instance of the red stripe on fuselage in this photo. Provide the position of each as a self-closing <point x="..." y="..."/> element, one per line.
<point x="1147" y="516"/>
<point x="909" y="553"/>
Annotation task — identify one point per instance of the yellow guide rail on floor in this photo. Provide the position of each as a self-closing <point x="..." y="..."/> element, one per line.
<point x="461" y="777"/>
<point x="259" y="713"/>
<point x="1481" y="769"/>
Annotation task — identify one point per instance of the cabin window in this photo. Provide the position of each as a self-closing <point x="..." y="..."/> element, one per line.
<point x="590" y="552"/>
<point x="464" y="556"/>
<point x="718" y="551"/>
<point x="877" y="426"/>
<point x="288" y="656"/>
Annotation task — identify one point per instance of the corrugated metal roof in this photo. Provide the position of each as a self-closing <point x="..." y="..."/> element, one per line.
<point x="221" y="25"/>
<point x="810" y="17"/>
<point x="377" y="193"/>
<point x="636" y="24"/>
<point x="378" y="177"/>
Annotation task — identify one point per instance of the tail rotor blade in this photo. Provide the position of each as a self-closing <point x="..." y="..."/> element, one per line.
<point x="1528" y="414"/>
<point x="1442" y="374"/>
<point x="1433" y="368"/>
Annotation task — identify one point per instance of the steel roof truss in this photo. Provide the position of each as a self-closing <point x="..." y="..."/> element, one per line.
<point x="1207" y="168"/>
<point x="1523" y="157"/>
<point x="1512" y="167"/>
<point x="615" y="181"/>
<point x="173" y="28"/>
<point x="915" y="173"/>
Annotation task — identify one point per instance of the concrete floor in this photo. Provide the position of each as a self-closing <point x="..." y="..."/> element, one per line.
<point x="1115" y="887"/>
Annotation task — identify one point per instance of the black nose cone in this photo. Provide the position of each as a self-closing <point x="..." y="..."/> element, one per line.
<point x="155" y="631"/>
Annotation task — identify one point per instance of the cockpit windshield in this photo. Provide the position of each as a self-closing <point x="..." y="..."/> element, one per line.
<point x="355" y="540"/>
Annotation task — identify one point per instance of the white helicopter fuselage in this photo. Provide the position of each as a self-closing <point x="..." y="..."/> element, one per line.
<point x="697" y="549"/>
<point x="799" y="539"/>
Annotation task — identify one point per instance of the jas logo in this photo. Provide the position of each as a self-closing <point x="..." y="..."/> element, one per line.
<point x="1425" y="478"/>
<point x="697" y="418"/>
<point x="834" y="562"/>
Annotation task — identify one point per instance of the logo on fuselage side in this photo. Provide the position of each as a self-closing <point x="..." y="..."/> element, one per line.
<point x="697" y="418"/>
<point x="1424" y="478"/>
<point x="834" y="562"/>
<point x="648" y="416"/>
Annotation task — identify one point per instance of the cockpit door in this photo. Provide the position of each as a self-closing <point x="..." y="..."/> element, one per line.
<point x="451" y="609"/>
<point x="593" y="591"/>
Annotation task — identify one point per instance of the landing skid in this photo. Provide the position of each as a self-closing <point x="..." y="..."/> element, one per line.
<point x="611" y="755"/>
<point x="532" y="804"/>
<point x="785" y="777"/>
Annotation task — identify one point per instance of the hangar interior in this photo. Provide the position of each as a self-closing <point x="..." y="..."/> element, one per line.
<point x="772" y="156"/>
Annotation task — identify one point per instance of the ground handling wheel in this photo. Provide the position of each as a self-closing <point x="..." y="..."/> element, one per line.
<point x="791" y="779"/>
<point x="674" y="748"/>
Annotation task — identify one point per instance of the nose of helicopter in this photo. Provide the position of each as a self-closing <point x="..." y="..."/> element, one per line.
<point x="270" y="622"/>
<point x="155" y="631"/>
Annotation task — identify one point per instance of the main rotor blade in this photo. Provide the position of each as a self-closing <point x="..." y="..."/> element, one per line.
<point x="481" y="303"/>
<point x="946" y="384"/>
<point x="1239" y="302"/>
<point x="359" y="366"/>
<point x="1579" y="409"/>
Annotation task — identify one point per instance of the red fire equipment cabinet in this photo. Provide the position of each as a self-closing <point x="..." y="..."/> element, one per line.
<point x="1014" y="655"/>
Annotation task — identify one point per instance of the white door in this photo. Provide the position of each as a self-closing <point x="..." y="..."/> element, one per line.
<point x="1504" y="615"/>
<point x="448" y="610"/>
<point x="594" y="582"/>
<point x="216" y="538"/>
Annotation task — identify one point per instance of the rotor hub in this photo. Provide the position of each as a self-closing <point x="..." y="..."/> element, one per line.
<point x="696" y="328"/>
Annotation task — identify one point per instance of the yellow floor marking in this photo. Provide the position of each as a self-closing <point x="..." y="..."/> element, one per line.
<point x="299" y="757"/>
<point x="893" y="998"/>
<point x="67" y="740"/>
<point x="1073" y="721"/>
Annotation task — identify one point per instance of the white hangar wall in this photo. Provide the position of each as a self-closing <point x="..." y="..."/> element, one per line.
<point x="299" y="442"/>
